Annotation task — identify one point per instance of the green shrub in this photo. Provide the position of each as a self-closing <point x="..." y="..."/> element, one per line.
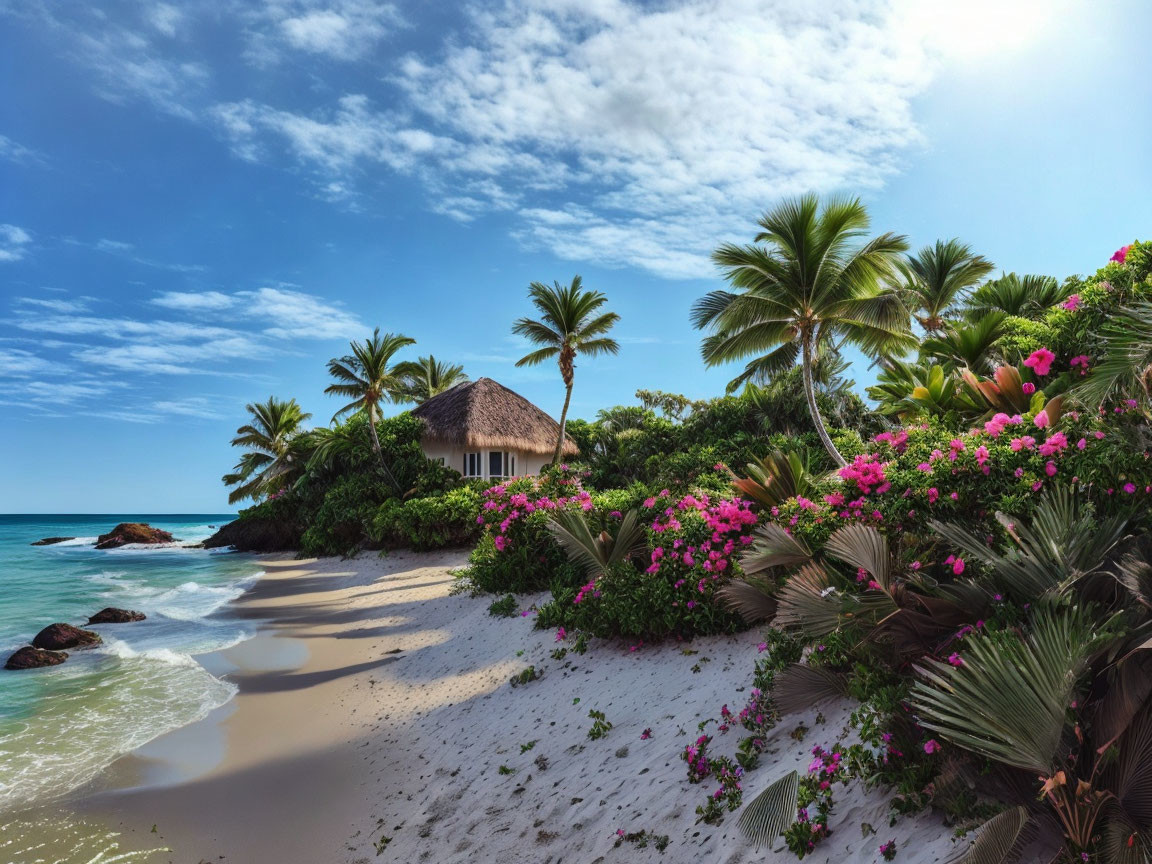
<point x="340" y="525"/>
<point x="433" y="522"/>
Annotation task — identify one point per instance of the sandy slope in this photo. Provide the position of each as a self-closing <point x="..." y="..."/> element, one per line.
<point x="397" y="718"/>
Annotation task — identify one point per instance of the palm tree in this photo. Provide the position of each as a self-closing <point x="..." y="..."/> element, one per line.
<point x="270" y="458"/>
<point x="428" y="376"/>
<point x="569" y="324"/>
<point x="803" y="288"/>
<point x="1022" y="296"/>
<point x="959" y="344"/>
<point x="365" y="377"/>
<point x="935" y="277"/>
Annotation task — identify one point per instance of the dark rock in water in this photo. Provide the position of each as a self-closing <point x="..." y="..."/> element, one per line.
<point x="48" y="541"/>
<point x="34" y="658"/>
<point x="258" y="534"/>
<point x="132" y="532"/>
<point x="57" y="637"/>
<point x="112" y="615"/>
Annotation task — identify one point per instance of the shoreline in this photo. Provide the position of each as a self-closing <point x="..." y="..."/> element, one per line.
<point x="290" y="727"/>
<point x="375" y="718"/>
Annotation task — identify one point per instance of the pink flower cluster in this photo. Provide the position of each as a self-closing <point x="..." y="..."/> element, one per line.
<point x="868" y="473"/>
<point x="1083" y="361"/>
<point x="728" y="524"/>
<point x="502" y="510"/>
<point x="898" y="440"/>
<point x="1121" y="254"/>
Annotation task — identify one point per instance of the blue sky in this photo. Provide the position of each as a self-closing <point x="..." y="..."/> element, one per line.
<point x="200" y="203"/>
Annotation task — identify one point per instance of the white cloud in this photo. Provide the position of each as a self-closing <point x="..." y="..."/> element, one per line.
<point x="176" y="347"/>
<point x="78" y="305"/>
<point x="344" y="30"/>
<point x="657" y="130"/>
<point x="193" y="301"/>
<point x="14" y="242"/>
<point x="191" y="406"/>
<point x="18" y="363"/>
<point x="13" y="151"/>
<point x="122" y="53"/>
<point x="106" y="245"/>
<point x="165" y="18"/>
<point x="289" y="314"/>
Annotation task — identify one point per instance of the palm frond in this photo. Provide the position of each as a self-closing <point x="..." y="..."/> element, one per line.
<point x="598" y="554"/>
<point x="1009" y="699"/>
<point x="772" y="546"/>
<point x="864" y="548"/>
<point x="809" y="602"/>
<point x="770" y="813"/>
<point x="799" y="687"/>
<point x="1000" y="840"/>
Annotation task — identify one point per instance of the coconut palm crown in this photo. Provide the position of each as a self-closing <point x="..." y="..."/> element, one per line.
<point x="935" y="278"/>
<point x="264" y="469"/>
<point x="570" y="323"/>
<point x="807" y="284"/>
<point x="366" y="377"/>
<point x="427" y="377"/>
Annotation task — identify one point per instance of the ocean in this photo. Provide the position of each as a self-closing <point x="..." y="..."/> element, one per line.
<point x="59" y="727"/>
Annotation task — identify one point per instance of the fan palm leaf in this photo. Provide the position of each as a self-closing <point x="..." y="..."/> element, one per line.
<point x="770" y="813"/>
<point x="1050" y="554"/>
<point x="1000" y="840"/>
<point x="1009" y="700"/>
<point x="598" y="554"/>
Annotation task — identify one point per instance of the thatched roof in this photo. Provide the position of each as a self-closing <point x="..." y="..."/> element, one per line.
<point x="488" y="416"/>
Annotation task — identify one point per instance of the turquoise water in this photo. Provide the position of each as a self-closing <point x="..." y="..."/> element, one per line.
<point x="59" y="727"/>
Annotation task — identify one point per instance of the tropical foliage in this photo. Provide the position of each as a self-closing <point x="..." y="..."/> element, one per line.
<point x="970" y="565"/>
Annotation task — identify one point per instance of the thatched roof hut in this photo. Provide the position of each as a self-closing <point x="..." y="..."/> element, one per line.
<point x="485" y="415"/>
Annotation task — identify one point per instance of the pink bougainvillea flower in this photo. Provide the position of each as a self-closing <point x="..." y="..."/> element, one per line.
<point x="1040" y="361"/>
<point x="1072" y="303"/>
<point x="1041" y="420"/>
<point x="955" y="659"/>
<point x="1121" y="254"/>
<point x="933" y="494"/>
<point x="931" y="746"/>
<point x="958" y="566"/>
<point x="1050" y="468"/>
<point x="1083" y="361"/>
<point x="1130" y="488"/>
<point x="1028" y="387"/>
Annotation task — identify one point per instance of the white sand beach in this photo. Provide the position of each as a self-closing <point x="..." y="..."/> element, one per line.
<point x="378" y="705"/>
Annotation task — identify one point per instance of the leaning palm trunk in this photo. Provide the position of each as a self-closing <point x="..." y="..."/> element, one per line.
<point x="813" y="408"/>
<point x="563" y="423"/>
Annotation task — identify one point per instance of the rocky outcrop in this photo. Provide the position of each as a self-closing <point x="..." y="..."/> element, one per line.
<point x="112" y="615"/>
<point x="58" y="637"/>
<point x="255" y="534"/>
<point x="34" y="658"/>
<point x="132" y="532"/>
<point x="48" y="541"/>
